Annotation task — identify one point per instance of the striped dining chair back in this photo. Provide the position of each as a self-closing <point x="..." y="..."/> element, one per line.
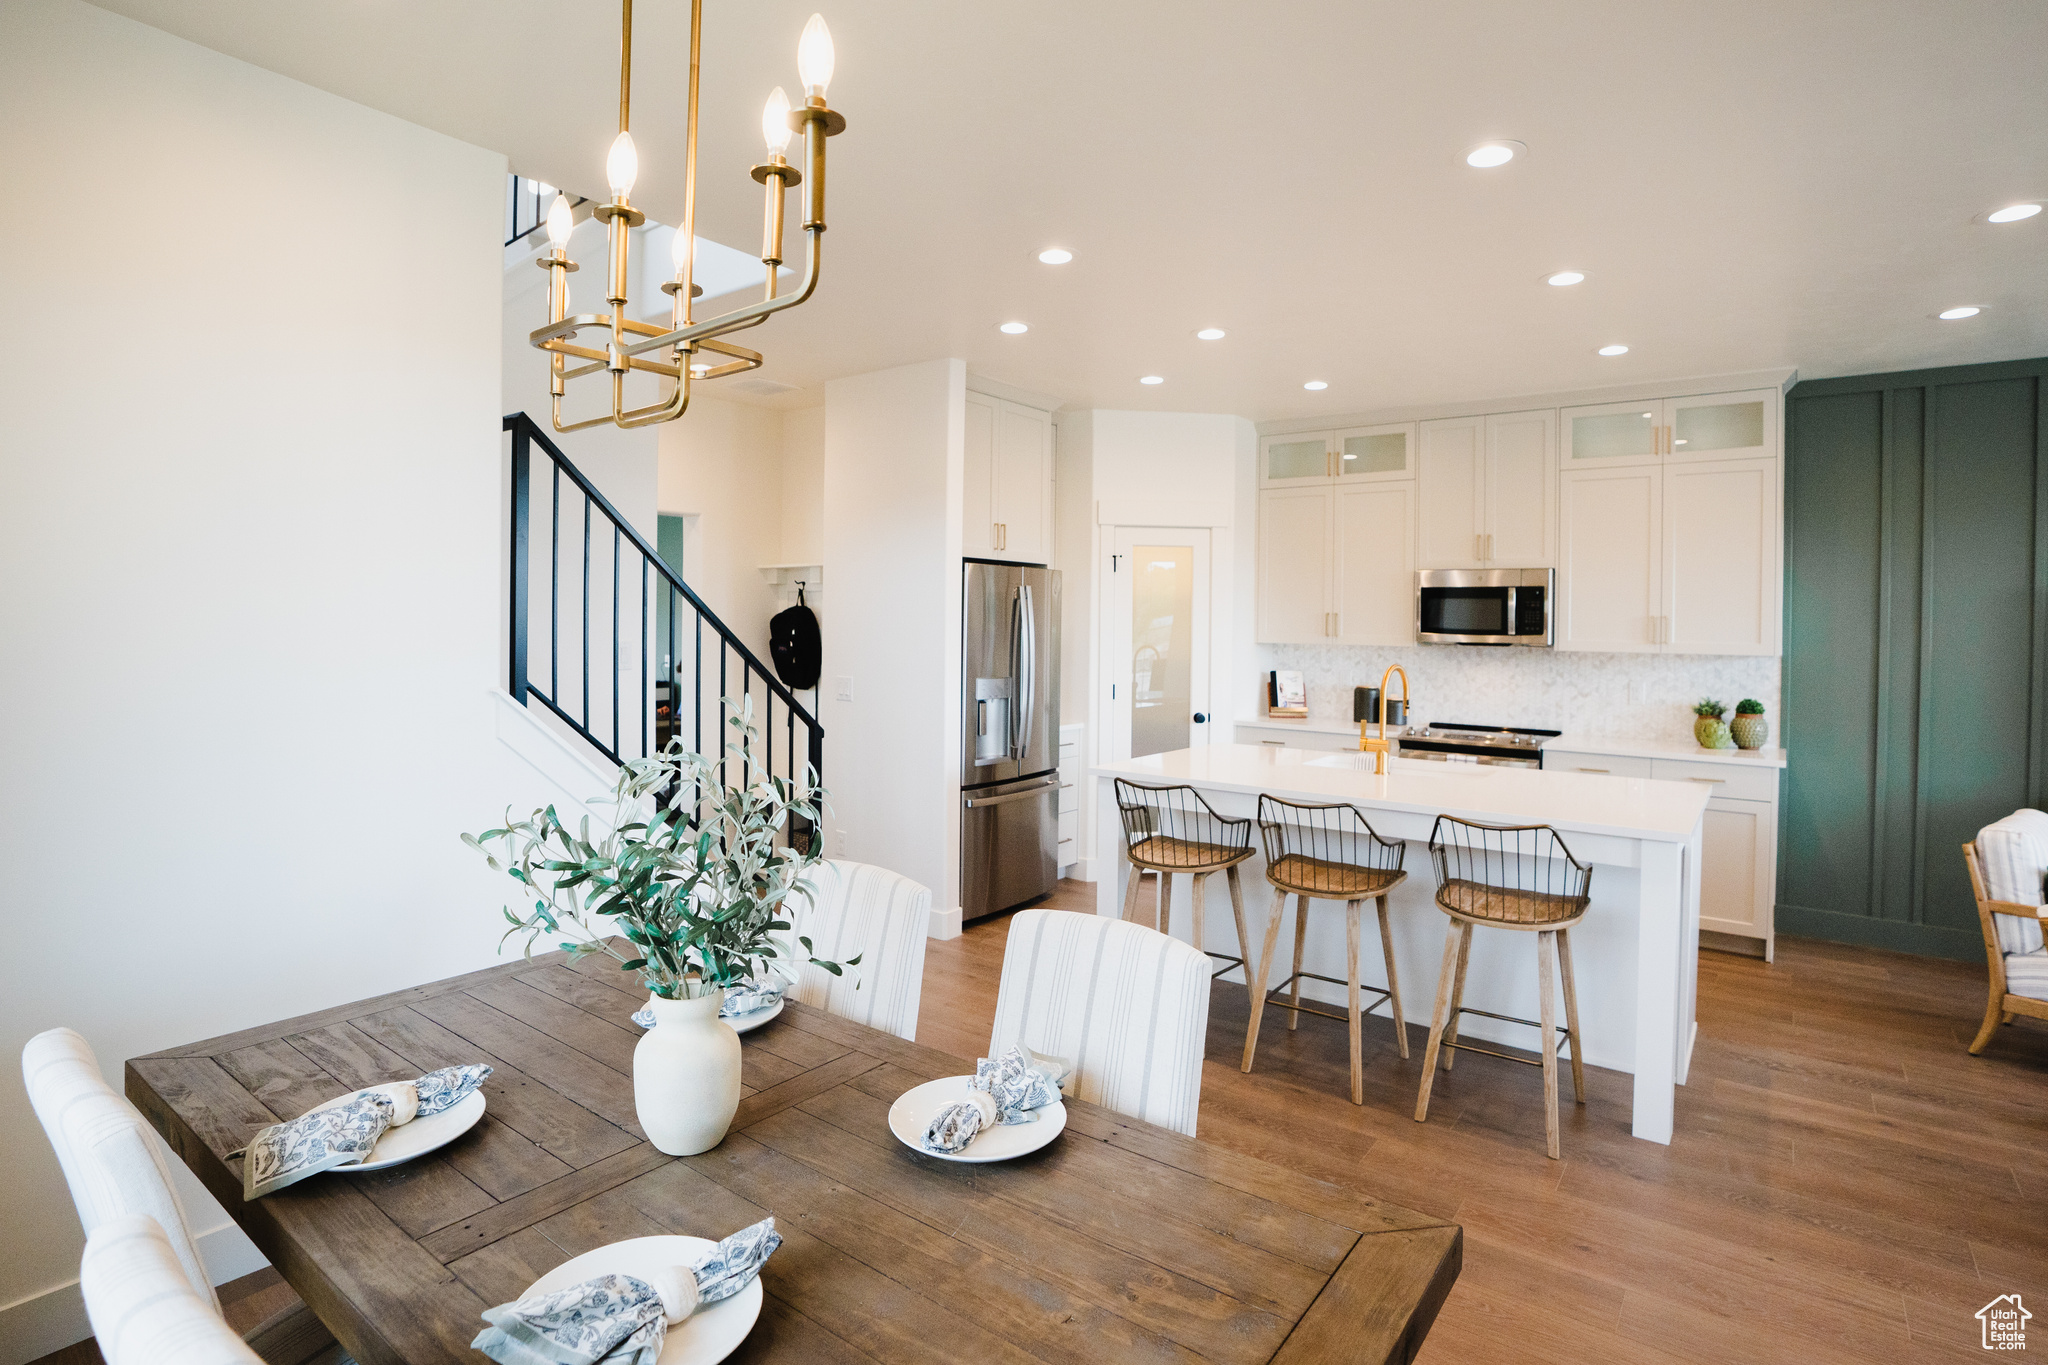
<point x="113" y="1160"/>
<point x="857" y="909"/>
<point x="144" y="1311"/>
<point x="1126" y="1004"/>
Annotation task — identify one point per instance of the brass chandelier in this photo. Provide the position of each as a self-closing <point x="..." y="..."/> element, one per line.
<point x="631" y="345"/>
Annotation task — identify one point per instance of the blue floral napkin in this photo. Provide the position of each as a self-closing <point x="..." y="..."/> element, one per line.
<point x="1005" y="1089"/>
<point x="622" y="1319"/>
<point x="750" y="998"/>
<point x="343" y="1135"/>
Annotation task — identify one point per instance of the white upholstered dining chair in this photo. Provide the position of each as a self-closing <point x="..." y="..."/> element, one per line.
<point x="118" y="1168"/>
<point x="1126" y="1004"/>
<point x="142" y="1304"/>
<point x="857" y="908"/>
<point x="2007" y="865"/>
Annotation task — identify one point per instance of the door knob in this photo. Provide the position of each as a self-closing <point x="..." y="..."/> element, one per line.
<point x="1201" y="719"/>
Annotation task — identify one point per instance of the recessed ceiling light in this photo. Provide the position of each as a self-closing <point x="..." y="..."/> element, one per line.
<point x="1210" y="334"/>
<point x="1055" y="255"/>
<point x="1315" y="384"/>
<point x="1565" y="277"/>
<point x="1490" y="154"/>
<point x="1014" y="328"/>
<point x="1958" y="314"/>
<point x="1614" y="350"/>
<point x="1152" y="379"/>
<point x="2015" y="213"/>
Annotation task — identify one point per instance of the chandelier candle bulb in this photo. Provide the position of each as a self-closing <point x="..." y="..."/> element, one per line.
<point x="561" y="222"/>
<point x="815" y="58"/>
<point x="775" y="123"/>
<point x="622" y="165"/>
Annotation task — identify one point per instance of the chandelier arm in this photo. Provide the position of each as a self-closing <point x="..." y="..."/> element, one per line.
<point x="677" y="403"/>
<point x="750" y="316"/>
<point x="687" y="276"/>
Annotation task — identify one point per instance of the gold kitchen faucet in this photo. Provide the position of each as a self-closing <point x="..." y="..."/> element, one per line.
<point x="1380" y="747"/>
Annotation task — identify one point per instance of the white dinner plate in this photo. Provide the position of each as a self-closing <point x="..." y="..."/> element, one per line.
<point x="419" y="1137"/>
<point x="915" y="1109"/>
<point x="708" y="1335"/>
<point x="745" y="1023"/>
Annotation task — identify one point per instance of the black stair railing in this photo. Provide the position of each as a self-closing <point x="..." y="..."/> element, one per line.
<point x="610" y="639"/>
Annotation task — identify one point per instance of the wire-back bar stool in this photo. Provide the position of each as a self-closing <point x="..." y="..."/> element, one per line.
<point x="1327" y="852"/>
<point x="1507" y="877"/>
<point x="1172" y="829"/>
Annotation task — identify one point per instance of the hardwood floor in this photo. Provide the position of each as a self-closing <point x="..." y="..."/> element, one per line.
<point x="1846" y="1184"/>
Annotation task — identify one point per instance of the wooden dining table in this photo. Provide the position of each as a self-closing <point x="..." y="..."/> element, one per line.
<point x="1119" y="1241"/>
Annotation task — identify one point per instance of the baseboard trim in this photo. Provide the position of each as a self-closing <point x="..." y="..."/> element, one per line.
<point x="943" y="924"/>
<point x="34" y="1326"/>
<point x="1921" y="940"/>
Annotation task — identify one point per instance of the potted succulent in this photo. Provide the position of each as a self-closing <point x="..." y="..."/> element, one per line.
<point x="1749" y="728"/>
<point x="1710" y="729"/>
<point x="693" y="877"/>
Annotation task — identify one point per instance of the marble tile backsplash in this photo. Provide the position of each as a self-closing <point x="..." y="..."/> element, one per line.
<point x="1605" y="696"/>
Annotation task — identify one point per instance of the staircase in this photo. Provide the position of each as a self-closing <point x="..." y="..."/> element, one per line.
<point x="615" y="645"/>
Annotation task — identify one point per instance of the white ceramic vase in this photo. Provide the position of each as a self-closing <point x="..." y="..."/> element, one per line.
<point x="686" y="1075"/>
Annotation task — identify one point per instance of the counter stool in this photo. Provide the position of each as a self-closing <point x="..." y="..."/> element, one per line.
<point x="1172" y="829"/>
<point x="1327" y="851"/>
<point x="1507" y="877"/>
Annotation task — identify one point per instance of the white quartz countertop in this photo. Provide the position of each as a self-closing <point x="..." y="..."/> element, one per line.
<point x="1626" y="807"/>
<point x="1665" y="748"/>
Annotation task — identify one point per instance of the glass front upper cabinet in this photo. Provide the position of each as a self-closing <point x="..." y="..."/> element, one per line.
<point x="1375" y="454"/>
<point x="1300" y="457"/>
<point x="1715" y="426"/>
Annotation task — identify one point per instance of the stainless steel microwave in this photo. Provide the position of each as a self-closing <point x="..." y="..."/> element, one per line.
<point x="1484" y="606"/>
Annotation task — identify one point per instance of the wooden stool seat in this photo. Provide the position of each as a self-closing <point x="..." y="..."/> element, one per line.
<point x="1172" y="829"/>
<point x="1163" y="853"/>
<point x="1327" y="852"/>
<point x="1306" y="876"/>
<point x="1507" y="877"/>
<point x="1508" y="908"/>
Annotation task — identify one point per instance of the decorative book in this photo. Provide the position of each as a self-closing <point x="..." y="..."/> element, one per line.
<point x="1286" y="695"/>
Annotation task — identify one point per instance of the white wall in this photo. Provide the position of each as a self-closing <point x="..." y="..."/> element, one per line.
<point x="250" y="558"/>
<point x="722" y="464"/>
<point x="894" y="444"/>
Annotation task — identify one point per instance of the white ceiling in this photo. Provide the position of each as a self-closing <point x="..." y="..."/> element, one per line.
<point x="1748" y="183"/>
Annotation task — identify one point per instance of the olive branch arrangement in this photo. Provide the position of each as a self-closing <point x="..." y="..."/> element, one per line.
<point x="698" y="886"/>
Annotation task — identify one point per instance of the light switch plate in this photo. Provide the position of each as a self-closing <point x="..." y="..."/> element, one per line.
<point x="843" y="687"/>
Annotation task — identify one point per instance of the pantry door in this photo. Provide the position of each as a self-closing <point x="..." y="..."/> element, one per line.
<point x="1157" y="639"/>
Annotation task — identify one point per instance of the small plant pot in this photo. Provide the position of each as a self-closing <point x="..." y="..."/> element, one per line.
<point x="1712" y="733"/>
<point x="1750" y="731"/>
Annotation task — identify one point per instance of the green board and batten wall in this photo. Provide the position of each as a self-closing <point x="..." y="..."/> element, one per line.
<point x="1916" y="645"/>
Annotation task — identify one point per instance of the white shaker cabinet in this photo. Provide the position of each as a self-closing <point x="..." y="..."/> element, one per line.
<point x="1721" y="548"/>
<point x="1007" y="492"/>
<point x="1337" y="564"/>
<point x="1487" y="489"/>
<point x="1610" y="571"/>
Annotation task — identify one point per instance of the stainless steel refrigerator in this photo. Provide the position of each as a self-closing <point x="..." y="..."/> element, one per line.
<point x="1010" y="740"/>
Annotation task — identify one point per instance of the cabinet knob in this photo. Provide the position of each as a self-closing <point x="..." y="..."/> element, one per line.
<point x="1201" y="719"/>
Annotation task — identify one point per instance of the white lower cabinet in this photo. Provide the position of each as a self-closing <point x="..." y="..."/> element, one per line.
<point x="1738" y="841"/>
<point x="1337" y="564"/>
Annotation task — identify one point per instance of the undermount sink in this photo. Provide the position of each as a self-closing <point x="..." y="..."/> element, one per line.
<point x="1420" y="767"/>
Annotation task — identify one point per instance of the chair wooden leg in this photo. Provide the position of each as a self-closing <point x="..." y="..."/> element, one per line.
<point x="1351" y="909"/>
<point x="1458" y="992"/>
<point x="1571" y="1013"/>
<point x="1258" y="977"/>
<point x="1393" y="982"/>
<point x="1196" y="882"/>
<point x="1244" y="944"/>
<point x="1163" y="921"/>
<point x="1300" y="937"/>
<point x="1436" y="1022"/>
<point x="1549" y="1017"/>
<point x="1131" y="893"/>
<point x="1991" y="1022"/>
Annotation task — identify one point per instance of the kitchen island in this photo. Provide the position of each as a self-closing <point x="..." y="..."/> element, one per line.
<point x="1636" y="953"/>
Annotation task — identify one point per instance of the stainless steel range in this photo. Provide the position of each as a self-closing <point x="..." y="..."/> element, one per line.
<point x="1458" y="742"/>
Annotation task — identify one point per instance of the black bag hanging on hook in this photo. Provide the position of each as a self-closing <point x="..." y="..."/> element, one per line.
<point x="794" y="645"/>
